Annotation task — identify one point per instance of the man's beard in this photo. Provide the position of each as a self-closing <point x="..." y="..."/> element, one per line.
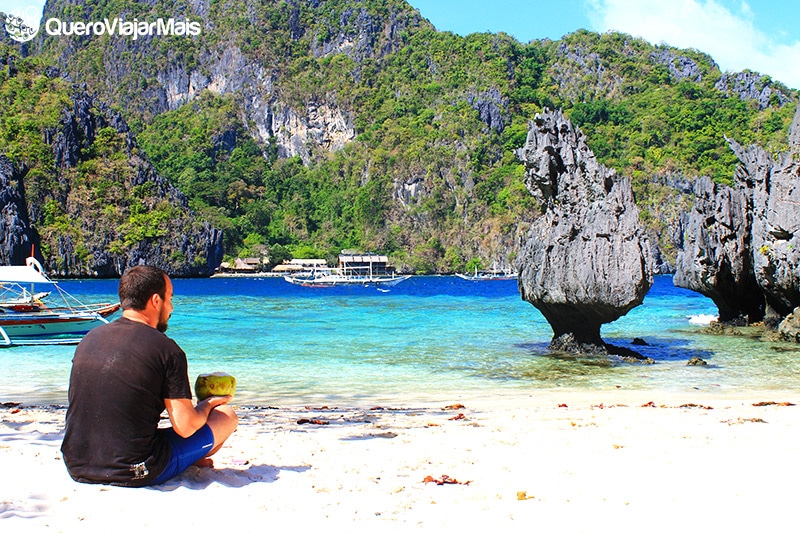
<point x="161" y="326"/>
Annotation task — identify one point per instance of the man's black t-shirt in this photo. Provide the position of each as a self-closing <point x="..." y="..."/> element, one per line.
<point x="121" y="374"/>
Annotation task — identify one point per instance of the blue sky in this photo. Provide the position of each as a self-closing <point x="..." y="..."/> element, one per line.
<point x="759" y="35"/>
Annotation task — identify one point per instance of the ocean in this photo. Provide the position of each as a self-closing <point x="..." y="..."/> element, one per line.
<point x="430" y="338"/>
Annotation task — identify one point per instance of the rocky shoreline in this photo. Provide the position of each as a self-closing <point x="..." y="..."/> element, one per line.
<point x="742" y="246"/>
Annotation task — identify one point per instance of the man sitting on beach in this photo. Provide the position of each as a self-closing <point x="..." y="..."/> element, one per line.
<point x="124" y="374"/>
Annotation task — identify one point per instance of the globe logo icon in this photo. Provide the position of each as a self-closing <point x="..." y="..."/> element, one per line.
<point x="22" y="25"/>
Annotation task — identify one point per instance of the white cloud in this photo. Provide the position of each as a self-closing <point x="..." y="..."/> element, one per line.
<point x="730" y="39"/>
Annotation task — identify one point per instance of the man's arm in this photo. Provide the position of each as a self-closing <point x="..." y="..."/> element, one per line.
<point x="186" y="418"/>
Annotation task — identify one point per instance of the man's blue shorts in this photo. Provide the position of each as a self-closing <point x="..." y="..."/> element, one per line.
<point x="185" y="452"/>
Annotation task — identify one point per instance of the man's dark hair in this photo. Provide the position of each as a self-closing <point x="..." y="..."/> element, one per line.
<point x="139" y="283"/>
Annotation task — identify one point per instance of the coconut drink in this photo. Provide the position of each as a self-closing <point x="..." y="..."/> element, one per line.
<point x="216" y="384"/>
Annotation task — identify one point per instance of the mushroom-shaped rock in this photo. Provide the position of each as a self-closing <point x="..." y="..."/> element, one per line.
<point x="585" y="261"/>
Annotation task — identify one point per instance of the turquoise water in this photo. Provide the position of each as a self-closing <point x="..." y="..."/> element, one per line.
<point x="429" y="338"/>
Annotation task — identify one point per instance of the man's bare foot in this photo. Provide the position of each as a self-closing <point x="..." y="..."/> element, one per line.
<point x="205" y="462"/>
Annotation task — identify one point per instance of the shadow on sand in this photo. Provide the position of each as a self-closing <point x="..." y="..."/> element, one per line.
<point x="197" y="478"/>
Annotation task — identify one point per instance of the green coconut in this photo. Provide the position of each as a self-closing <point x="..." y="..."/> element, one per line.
<point x="216" y="384"/>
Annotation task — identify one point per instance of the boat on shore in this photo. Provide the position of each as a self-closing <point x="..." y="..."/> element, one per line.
<point x="26" y="319"/>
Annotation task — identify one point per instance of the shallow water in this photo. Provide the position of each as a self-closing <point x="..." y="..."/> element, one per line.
<point x="427" y="338"/>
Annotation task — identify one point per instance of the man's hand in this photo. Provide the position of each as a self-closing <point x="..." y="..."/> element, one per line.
<point x="214" y="401"/>
<point x="187" y="418"/>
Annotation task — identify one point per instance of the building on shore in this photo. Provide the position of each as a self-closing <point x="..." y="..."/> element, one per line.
<point x="376" y="264"/>
<point x="245" y="265"/>
<point x="300" y="265"/>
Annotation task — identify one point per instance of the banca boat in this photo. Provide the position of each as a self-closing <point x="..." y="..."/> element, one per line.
<point x="489" y="275"/>
<point x="26" y="319"/>
<point x="336" y="277"/>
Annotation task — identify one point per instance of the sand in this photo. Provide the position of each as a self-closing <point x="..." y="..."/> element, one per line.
<point x="551" y="461"/>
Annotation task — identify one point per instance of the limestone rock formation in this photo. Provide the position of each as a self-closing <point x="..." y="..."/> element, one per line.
<point x="773" y="190"/>
<point x="680" y="67"/>
<point x="750" y="86"/>
<point x="743" y="243"/>
<point x="789" y="329"/>
<point x="716" y="259"/>
<point x="586" y="260"/>
<point x="182" y="245"/>
<point x="492" y="107"/>
<point x="309" y="126"/>
<point x="324" y="125"/>
<point x="16" y="235"/>
<point x="105" y="212"/>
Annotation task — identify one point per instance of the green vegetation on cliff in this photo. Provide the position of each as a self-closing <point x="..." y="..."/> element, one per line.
<point x="92" y="199"/>
<point x="428" y="174"/>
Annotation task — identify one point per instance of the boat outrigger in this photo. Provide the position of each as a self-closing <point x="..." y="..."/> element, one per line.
<point x="25" y="319"/>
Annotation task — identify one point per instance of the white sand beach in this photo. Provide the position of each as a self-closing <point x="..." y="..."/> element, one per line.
<point x="553" y="461"/>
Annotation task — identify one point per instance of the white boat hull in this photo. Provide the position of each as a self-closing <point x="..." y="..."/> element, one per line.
<point x="49" y="327"/>
<point x="42" y="326"/>
<point x="486" y="277"/>
<point x="340" y="281"/>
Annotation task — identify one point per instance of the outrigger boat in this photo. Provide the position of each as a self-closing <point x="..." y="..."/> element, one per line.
<point x="25" y="319"/>
<point x="488" y="275"/>
<point x="336" y="277"/>
<point x="355" y="268"/>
